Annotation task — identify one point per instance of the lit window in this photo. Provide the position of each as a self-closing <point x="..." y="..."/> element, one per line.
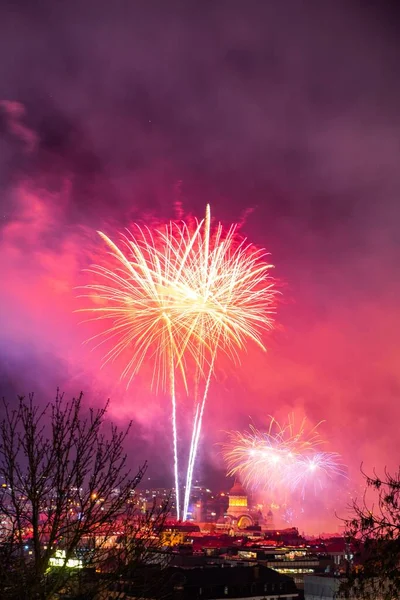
<point x="226" y="591"/>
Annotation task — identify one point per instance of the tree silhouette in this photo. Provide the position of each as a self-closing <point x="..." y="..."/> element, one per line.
<point x="374" y="531"/>
<point x="71" y="522"/>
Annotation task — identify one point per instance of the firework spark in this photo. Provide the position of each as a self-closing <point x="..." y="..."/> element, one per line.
<point x="177" y="297"/>
<point x="143" y="298"/>
<point x="235" y="305"/>
<point x="282" y="459"/>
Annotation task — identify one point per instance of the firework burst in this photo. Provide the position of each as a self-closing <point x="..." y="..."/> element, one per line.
<point x="283" y="459"/>
<point x="177" y="297"/>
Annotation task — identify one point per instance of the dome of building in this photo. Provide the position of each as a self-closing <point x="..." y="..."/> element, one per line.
<point x="237" y="489"/>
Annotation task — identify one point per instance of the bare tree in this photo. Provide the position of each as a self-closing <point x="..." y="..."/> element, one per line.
<point x="69" y="511"/>
<point x="374" y="531"/>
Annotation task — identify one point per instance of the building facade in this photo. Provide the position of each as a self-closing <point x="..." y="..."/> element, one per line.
<point x="240" y="516"/>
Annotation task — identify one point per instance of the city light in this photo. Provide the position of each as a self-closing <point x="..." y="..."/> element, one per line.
<point x="60" y="560"/>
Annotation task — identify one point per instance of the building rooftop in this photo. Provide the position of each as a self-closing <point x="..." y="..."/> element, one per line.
<point x="237" y="490"/>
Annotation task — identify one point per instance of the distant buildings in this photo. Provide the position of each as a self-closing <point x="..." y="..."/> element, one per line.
<point x="230" y="511"/>
<point x="228" y="549"/>
<point x="240" y="517"/>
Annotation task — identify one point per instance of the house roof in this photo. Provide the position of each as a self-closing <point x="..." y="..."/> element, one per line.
<point x="219" y="575"/>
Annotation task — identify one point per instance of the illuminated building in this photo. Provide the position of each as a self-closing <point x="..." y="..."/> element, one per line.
<point x="240" y="516"/>
<point x="238" y="512"/>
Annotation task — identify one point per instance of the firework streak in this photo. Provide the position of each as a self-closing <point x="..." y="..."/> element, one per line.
<point x="177" y="297"/>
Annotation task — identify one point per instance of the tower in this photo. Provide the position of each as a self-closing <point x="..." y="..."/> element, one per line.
<point x="237" y="500"/>
<point x="238" y="510"/>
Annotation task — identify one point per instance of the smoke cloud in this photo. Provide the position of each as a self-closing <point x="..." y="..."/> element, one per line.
<point x="284" y="117"/>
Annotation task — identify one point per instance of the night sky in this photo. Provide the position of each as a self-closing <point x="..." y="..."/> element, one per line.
<point x="284" y="117"/>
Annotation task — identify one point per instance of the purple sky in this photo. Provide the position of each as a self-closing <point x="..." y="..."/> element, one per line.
<point x="281" y="114"/>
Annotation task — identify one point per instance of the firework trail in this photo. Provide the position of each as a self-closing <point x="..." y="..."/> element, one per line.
<point x="233" y="304"/>
<point x="177" y="297"/>
<point x="143" y="299"/>
<point x="282" y="459"/>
